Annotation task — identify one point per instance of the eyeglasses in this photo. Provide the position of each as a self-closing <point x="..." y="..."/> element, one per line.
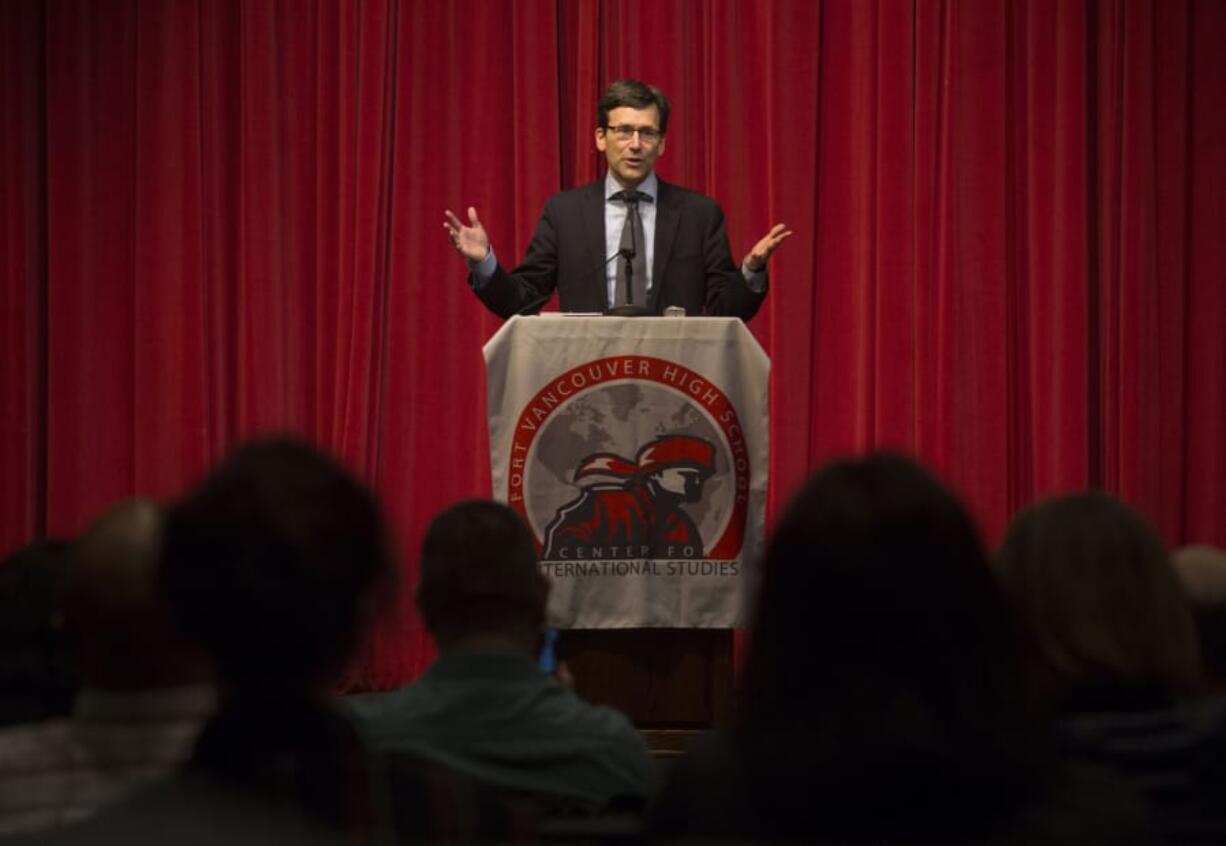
<point x="649" y="135"/>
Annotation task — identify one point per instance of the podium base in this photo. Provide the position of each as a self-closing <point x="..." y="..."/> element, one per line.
<point x="659" y="678"/>
<point x="628" y="311"/>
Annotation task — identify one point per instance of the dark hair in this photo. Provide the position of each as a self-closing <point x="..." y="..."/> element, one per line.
<point x="884" y="670"/>
<point x="635" y="95"/>
<point x="121" y="629"/>
<point x="37" y="680"/>
<point x="1093" y="583"/>
<point x="270" y="564"/>
<point x="479" y="573"/>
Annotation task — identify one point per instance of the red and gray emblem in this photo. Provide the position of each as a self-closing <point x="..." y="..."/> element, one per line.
<point x="632" y="457"/>
<point x="633" y="508"/>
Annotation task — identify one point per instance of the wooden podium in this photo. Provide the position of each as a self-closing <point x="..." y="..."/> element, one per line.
<point x="636" y="450"/>
<point x="670" y="682"/>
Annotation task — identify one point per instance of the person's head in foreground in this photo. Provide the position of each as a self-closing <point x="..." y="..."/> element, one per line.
<point x="121" y="628"/>
<point x="883" y="692"/>
<point x="480" y="588"/>
<point x="272" y="563"/>
<point x="1110" y="626"/>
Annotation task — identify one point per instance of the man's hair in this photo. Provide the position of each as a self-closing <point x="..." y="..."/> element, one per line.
<point x="272" y="561"/>
<point x="479" y="574"/>
<point x="1092" y="582"/>
<point x="122" y="633"/>
<point x="635" y="95"/>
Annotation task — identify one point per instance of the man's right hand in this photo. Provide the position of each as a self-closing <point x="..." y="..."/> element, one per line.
<point x="470" y="241"/>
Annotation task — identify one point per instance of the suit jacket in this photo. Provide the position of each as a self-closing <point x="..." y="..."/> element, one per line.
<point x="692" y="266"/>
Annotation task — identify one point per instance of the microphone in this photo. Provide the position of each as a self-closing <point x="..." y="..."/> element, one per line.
<point x="621" y="253"/>
<point x="534" y="305"/>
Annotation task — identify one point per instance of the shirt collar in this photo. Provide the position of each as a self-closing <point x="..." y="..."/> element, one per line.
<point x="649" y="186"/>
<point x="506" y="667"/>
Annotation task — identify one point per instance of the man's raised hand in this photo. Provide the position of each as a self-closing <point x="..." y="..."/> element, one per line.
<point x="756" y="259"/>
<point x="470" y="241"/>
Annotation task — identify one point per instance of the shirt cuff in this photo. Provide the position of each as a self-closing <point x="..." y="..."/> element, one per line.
<point x="483" y="270"/>
<point x="755" y="280"/>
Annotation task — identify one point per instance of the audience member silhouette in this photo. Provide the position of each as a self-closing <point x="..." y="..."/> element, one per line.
<point x="36" y="678"/>
<point x="883" y="693"/>
<point x="272" y="565"/>
<point x="144" y="697"/>
<point x="1115" y="652"/>
<point x="484" y="710"/>
<point x="1093" y="583"/>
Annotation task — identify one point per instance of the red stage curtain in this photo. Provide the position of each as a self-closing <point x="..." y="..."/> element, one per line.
<point x="223" y="218"/>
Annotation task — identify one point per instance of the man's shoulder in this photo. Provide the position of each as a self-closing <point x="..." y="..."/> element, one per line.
<point x="451" y="684"/>
<point x="543" y="710"/>
<point x="677" y="195"/>
<point x="613" y="736"/>
<point x="571" y="197"/>
<point x="372" y="707"/>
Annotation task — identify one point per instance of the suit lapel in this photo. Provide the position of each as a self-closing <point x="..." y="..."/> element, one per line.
<point x="668" y="216"/>
<point x="593" y="233"/>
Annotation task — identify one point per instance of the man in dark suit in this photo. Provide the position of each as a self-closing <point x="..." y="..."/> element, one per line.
<point x="628" y="240"/>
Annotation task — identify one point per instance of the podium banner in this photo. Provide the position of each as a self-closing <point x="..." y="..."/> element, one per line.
<point x="636" y="450"/>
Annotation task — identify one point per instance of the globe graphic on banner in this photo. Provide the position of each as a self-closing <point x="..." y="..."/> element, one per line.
<point x="620" y="418"/>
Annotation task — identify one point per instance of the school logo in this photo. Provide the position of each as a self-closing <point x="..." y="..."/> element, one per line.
<point x="631" y="458"/>
<point x="640" y="510"/>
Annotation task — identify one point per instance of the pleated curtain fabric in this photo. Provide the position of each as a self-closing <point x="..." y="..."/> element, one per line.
<point x="1008" y="257"/>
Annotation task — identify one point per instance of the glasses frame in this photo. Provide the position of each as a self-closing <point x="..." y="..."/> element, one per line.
<point x="648" y="135"/>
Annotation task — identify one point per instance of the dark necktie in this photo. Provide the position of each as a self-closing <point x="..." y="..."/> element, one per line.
<point x="632" y="243"/>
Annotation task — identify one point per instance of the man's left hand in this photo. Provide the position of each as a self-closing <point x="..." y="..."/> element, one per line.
<point x="755" y="261"/>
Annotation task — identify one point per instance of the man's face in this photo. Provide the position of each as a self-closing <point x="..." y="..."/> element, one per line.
<point x="630" y="159"/>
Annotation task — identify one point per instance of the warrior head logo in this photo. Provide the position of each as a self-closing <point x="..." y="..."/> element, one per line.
<point x="632" y="508"/>
<point x="630" y="457"/>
